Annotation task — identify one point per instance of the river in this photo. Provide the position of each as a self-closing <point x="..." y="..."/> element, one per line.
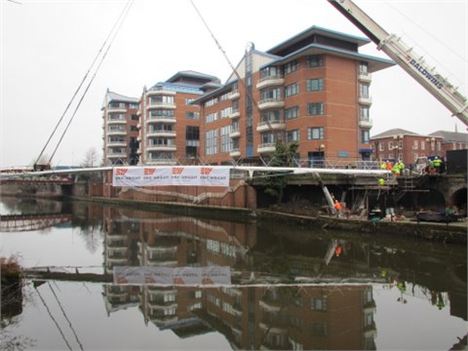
<point x="290" y="286"/>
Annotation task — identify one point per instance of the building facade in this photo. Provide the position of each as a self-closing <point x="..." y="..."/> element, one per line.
<point x="312" y="89"/>
<point x="169" y="125"/>
<point x="400" y="144"/>
<point x="120" y="133"/>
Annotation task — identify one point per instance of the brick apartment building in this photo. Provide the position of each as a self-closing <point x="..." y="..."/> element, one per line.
<point x="312" y="89"/>
<point x="120" y="133"/>
<point x="401" y="144"/>
<point x="169" y="124"/>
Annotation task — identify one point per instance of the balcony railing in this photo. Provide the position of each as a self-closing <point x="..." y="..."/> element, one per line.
<point x="365" y="123"/>
<point x="270" y="81"/>
<point x="169" y="119"/>
<point x="365" y="100"/>
<point x="266" y="147"/>
<point x="271" y="125"/>
<point x="365" y="77"/>
<point x="277" y="102"/>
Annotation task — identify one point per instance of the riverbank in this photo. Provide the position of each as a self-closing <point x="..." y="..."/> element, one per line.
<point x="453" y="233"/>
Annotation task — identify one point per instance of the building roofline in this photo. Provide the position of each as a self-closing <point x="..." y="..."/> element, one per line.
<point x="319" y="30"/>
<point x="340" y="52"/>
<point x="192" y="74"/>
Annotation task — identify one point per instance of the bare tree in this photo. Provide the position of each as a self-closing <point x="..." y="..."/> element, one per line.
<point x="90" y="158"/>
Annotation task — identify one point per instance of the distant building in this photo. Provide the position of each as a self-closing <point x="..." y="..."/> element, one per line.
<point x="401" y="144"/>
<point x="169" y="127"/>
<point x="120" y="131"/>
<point x="451" y="140"/>
<point x="313" y="89"/>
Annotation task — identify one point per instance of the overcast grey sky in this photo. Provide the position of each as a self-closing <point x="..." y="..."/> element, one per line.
<point x="47" y="46"/>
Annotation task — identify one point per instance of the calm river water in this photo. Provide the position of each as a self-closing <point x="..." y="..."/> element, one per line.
<point x="293" y="287"/>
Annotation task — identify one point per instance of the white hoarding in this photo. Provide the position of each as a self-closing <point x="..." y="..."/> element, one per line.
<point x="168" y="175"/>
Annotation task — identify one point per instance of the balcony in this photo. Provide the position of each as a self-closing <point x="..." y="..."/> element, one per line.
<point x="365" y="123"/>
<point x="271" y="103"/>
<point x="270" y="125"/>
<point x="270" y="81"/>
<point x="235" y="153"/>
<point x="117" y="132"/>
<point x="116" y="109"/>
<point x="116" y="155"/>
<point x="116" y="121"/>
<point x="234" y="132"/>
<point x="161" y="119"/>
<point x="234" y="95"/>
<point x="160" y="105"/>
<point x="161" y="148"/>
<point x="266" y="148"/>
<point x="161" y="133"/>
<point x="234" y="114"/>
<point x="365" y="100"/>
<point x="117" y="143"/>
<point x="365" y="77"/>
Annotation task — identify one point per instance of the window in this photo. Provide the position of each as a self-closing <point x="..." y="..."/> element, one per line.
<point x="192" y="115"/>
<point x="225" y="139"/>
<point x="293" y="135"/>
<point x="318" y="303"/>
<point x="315" y="84"/>
<point x="315" y="108"/>
<point x="226" y="112"/>
<point x="192" y="133"/>
<point x="211" y="117"/>
<point x="290" y="67"/>
<point x="291" y="112"/>
<point x="188" y="101"/>
<point x="161" y="113"/>
<point x="271" y="116"/>
<point x="134" y="118"/>
<point x="319" y="329"/>
<point x="315" y="61"/>
<point x="270" y="72"/>
<point x="415" y="144"/>
<point x="363" y="68"/>
<point x="381" y="147"/>
<point x="291" y="90"/>
<point x="364" y="136"/>
<point x="364" y="113"/>
<point x="211" y="102"/>
<point x="315" y="133"/>
<point x="211" y="146"/>
<point x="270" y="94"/>
<point x="423" y="145"/>
<point x="133" y="106"/>
<point x="161" y="99"/>
<point x="133" y="129"/>
<point x="364" y="90"/>
<point x="268" y="138"/>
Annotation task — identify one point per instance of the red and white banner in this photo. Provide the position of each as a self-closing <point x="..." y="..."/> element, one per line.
<point x="148" y="275"/>
<point x="171" y="175"/>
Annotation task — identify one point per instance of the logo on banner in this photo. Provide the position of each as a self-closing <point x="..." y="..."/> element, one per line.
<point x="206" y="170"/>
<point x="177" y="170"/>
<point x="121" y="171"/>
<point x="149" y="171"/>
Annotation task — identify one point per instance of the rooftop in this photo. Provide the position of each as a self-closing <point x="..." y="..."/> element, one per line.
<point x="393" y="132"/>
<point x="451" y="136"/>
<point x="111" y="96"/>
<point x="311" y="35"/>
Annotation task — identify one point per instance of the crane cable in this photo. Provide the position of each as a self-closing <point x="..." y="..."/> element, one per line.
<point x="247" y="91"/>
<point x="125" y="12"/>
<point x="113" y="29"/>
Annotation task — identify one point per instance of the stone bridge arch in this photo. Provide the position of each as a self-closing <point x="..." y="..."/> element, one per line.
<point x="459" y="198"/>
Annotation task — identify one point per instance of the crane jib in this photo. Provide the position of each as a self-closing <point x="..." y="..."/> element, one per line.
<point x="426" y="74"/>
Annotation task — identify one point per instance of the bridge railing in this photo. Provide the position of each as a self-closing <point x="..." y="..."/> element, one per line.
<point x="337" y="164"/>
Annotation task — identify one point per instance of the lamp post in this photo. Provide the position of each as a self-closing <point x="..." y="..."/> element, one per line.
<point x="321" y="153"/>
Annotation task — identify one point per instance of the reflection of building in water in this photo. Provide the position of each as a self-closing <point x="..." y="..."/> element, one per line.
<point x="168" y="241"/>
<point x="321" y="317"/>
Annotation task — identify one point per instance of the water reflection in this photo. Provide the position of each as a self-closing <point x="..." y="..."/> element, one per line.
<point x="294" y="287"/>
